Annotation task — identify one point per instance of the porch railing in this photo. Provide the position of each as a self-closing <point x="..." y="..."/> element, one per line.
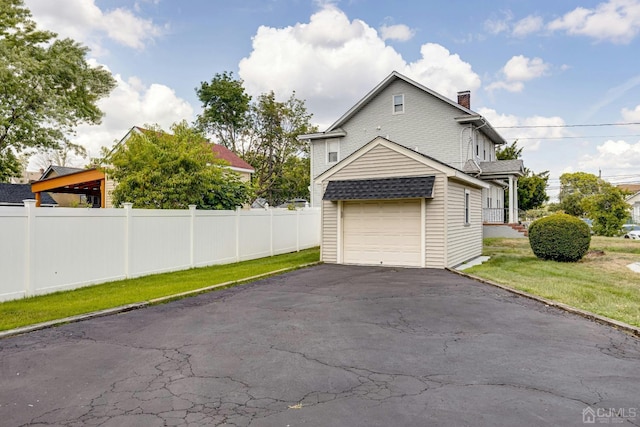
<point x="495" y="215"/>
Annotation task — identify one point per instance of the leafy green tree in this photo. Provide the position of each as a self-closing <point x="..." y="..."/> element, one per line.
<point x="226" y="108"/>
<point x="274" y="150"/>
<point x="47" y="87"/>
<point x="158" y="170"/>
<point x="532" y="188"/>
<point x="574" y="187"/>
<point x="10" y="166"/>
<point x="510" y="152"/>
<point x="607" y="209"/>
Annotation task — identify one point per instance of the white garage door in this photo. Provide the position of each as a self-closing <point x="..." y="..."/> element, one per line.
<point x="382" y="232"/>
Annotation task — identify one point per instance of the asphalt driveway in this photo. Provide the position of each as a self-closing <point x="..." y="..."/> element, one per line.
<point x="327" y="346"/>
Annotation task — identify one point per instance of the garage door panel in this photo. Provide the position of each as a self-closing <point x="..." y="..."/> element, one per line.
<point x="382" y="232"/>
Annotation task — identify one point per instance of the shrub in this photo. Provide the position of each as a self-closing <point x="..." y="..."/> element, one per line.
<point x="559" y="237"/>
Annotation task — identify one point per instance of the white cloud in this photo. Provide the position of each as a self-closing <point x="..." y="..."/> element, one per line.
<point x="528" y="25"/>
<point x="396" y="32"/>
<point x="332" y="62"/>
<point x="529" y="138"/>
<point x="631" y="115"/>
<point x="84" y="21"/>
<point x="132" y="103"/>
<point x="521" y="68"/>
<point x="500" y="25"/>
<point x="517" y="70"/>
<point x="617" y="21"/>
<point x="613" y="156"/>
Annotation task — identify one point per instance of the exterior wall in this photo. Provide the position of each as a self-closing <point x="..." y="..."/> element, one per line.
<point x="382" y="162"/>
<point x="634" y="201"/>
<point x="109" y="186"/>
<point x="428" y="126"/>
<point x="464" y="241"/>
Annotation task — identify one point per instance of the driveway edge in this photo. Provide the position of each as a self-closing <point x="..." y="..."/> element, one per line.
<point x="625" y="327"/>
<point x="138" y="305"/>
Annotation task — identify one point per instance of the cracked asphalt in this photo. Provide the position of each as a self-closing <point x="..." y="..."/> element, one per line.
<point x="327" y="345"/>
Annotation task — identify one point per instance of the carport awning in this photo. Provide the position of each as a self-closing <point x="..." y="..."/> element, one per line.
<point x="384" y="188"/>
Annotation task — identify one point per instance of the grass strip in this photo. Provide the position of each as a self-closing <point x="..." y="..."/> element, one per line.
<point x="60" y="305"/>
<point x="600" y="283"/>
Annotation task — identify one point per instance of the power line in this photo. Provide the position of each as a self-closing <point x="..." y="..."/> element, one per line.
<point x="576" y="137"/>
<point x="566" y="126"/>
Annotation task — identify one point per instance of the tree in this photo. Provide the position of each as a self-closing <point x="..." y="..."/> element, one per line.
<point x="510" y="152"/>
<point x="226" y="109"/>
<point x="574" y="187"/>
<point x="63" y="156"/>
<point x="158" y="170"/>
<point x="608" y="210"/>
<point x="263" y="132"/>
<point x="585" y="195"/>
<point x="47" y="87"/>
<point x="532" y="188"/>
<point x="274" y="150"/>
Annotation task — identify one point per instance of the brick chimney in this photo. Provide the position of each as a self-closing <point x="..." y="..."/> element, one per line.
<point x="464" y="98"/>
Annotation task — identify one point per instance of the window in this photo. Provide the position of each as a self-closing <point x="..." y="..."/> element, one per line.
<point x="398" y="104"/>
<point x="332" y="151"/>
<point x="467" y="203"/>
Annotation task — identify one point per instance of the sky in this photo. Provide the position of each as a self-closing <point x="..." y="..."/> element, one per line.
<point x="560" y="76"/>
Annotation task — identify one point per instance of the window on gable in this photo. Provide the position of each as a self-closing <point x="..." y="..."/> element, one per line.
<point x="332" y="151"/>
<point x="467" y="207"/>
<point x="398" y="104"/>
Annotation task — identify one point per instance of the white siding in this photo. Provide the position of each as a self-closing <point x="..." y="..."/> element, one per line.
<point x="382" y="162"/>
<point x="464" y="241"/>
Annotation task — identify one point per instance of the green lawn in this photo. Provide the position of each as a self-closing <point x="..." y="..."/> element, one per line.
<point x="29" y="311"/>
<point x="599" y="283"/>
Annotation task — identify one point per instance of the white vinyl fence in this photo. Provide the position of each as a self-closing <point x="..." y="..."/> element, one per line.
<point x="44" y="250"/>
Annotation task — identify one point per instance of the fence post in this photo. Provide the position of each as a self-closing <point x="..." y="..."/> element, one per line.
<point x="30" y="264"/>
<point x="271" y="232"/>
<point x="127" y="238"/>
<point x="298" y="230"/>
<point x="237" y="233"/>
<point x="192" y="240"/>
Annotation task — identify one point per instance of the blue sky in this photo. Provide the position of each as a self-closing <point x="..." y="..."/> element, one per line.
<point x="527" y="63"/>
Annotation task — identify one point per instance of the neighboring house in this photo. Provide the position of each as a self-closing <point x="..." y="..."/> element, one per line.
<point x="63" y="199"/>
<point x="408" y="177"/>
<point x="634" y="201"/>
<point x="15" y="194"/>
<point x="95" y="187"/>
<point x="27" y="177"/>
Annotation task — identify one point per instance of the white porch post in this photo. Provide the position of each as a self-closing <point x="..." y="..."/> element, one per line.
<point x="516" y="208"/>
<point x="511" y="200"/>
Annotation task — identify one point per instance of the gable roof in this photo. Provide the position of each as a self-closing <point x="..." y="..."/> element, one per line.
<point x="14" y="194"/>
<point x="450" y="171"/>
<point x="222" y="152"/>
<point x="59" y="170"/>
<point x="234" y="161"/>
<point x="467" y="115"/>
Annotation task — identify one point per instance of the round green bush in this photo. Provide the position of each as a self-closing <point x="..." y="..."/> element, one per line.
<point x="559" y="237"/>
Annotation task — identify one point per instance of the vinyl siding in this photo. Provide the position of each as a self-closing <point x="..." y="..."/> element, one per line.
<point x="382" y="162"/>
<point x="329" y="247"/>
<point x="464" y="242"/>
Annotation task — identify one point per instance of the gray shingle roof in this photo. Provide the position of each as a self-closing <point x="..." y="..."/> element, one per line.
<point x="14" y="194"/>
<point x="60" y="171"/>
<point x="385" y="188"/>
<point x="502" y="166"/>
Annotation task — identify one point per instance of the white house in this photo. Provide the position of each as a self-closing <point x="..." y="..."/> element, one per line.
<point x="408" y="177"/>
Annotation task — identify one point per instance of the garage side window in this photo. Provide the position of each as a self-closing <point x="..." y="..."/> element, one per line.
<point x="398" y="104"/>
<point x="467" y="207"/>
<point x="332" y="151"/>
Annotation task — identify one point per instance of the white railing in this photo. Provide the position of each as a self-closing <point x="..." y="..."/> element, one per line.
<point x="45" y="250"/>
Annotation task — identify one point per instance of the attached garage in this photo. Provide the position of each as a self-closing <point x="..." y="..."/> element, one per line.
<point x="385" y="232"/>
<point x="389" y="205"/>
